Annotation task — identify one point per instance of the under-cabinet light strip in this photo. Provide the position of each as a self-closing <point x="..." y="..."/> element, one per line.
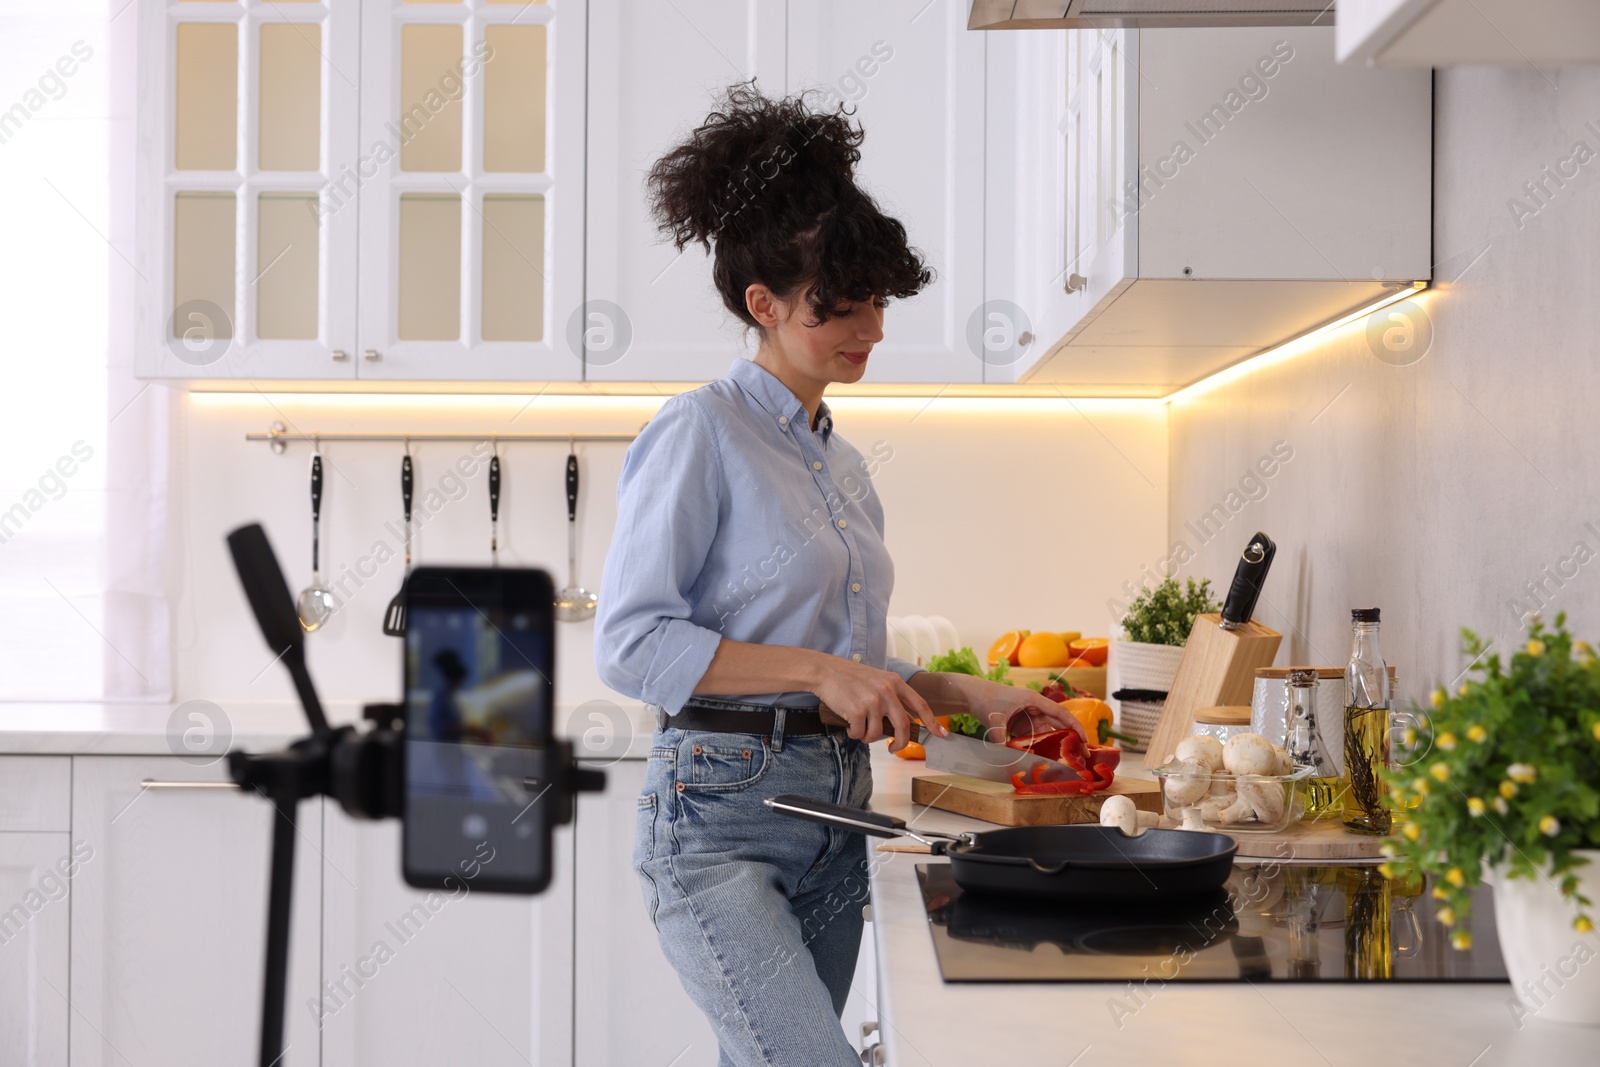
<point x="1280" y="352"/>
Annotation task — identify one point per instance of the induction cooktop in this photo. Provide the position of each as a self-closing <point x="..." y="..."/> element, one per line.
<point x="1272" y="922"/>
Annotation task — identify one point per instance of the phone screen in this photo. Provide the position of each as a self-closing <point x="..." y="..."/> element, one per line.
<point x="478" y="696"/>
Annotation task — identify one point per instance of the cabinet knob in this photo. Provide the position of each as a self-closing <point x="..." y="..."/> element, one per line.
<point x="1076" y="282"/>
<point x="340" y="355"/>
<point x="371" y="355"/>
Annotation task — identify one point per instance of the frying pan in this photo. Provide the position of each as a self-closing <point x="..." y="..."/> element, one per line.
<point x="1080" y="862"/>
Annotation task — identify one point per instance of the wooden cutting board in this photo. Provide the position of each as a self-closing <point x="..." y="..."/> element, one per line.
<point x="1321" y="840"/>
<point x="997" y="802"/>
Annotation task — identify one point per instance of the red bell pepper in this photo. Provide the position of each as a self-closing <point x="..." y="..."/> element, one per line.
<point x="1037" y="784"/>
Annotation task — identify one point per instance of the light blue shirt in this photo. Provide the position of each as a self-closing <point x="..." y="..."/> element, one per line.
<point x="735" y="519"/>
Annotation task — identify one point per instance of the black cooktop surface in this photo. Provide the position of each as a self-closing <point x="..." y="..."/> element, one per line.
<point x="1273" y="922"/>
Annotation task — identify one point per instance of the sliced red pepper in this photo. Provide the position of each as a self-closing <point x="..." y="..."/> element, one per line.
<point x="1107" y="756"/>
<point x="1069" y="786"/>
<point x="1047" y="744"/>
<point x="1043" y="779"/>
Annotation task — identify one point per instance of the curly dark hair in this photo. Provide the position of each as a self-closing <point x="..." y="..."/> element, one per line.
<point x="769" y="186"/>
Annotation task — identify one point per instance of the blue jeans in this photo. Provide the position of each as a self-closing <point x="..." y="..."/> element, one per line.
<point x="759" y="913"/>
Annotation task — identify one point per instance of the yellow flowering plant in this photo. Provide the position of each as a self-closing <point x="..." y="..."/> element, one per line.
<point x="1506" y="772"/>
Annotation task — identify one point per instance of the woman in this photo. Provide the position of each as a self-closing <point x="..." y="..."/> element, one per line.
<point x="747" y="585"/>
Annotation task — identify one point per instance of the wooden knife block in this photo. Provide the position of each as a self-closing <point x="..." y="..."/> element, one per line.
<point x="1218" y="667"/>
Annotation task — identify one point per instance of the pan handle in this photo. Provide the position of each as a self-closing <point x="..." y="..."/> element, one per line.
<point x="872" y="823"/>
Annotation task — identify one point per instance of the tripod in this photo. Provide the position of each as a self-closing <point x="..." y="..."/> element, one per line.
<point x="363" y="771"/>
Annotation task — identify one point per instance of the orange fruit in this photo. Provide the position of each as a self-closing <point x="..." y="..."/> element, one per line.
<point x="1079" y="665"/>
<point x="1005" y="648"/>
<point x="913" y="750"/>
<point x="1093" y="649"/>
<point x="1043" y="650"/>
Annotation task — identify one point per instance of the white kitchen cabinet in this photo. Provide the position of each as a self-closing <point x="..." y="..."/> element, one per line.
<point x="384" y="190"/>
<point x="914" y="74"/>
<point x="631" y="1008"/>
<point x="1201" y="205"/>
<point x="655" y="71"/>
<point x="169" y="914"/>
<point x="472" y="218"/>
<point x="419" y="977"/>
<point x="1448" y="33"/>
<point x="244" y="245"/>
<point x="33" y="947"/>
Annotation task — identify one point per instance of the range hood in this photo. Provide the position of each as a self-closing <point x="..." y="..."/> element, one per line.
<point x="1112" y="14"/>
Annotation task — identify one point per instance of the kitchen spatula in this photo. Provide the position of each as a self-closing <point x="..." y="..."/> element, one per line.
<point x="394" y="617"/>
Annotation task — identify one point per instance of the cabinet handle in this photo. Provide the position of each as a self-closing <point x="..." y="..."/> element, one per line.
<point x="151" y="783"/>
<point x="371" y="355"/>
<point x="1075" y="282"/>
<point x="340" y="355"/>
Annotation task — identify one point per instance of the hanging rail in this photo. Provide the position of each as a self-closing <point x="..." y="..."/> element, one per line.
<point x="279" y="437"/>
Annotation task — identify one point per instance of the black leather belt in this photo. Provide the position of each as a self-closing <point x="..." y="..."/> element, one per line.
<point x="734" y="718"/>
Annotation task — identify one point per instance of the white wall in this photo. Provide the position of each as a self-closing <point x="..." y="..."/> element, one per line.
<point x="1001" y="513"/>
<point x="1437" y="490"/>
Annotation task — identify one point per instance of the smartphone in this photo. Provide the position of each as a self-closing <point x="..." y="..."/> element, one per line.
<point x="478" y="724"/>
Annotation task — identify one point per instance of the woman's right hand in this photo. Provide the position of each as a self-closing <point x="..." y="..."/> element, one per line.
<point x="865" y="696"/>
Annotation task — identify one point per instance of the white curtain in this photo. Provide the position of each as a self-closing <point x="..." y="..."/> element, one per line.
<point x="83" y="447"/>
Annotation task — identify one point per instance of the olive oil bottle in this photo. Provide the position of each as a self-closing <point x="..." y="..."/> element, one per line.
<point x="1366" y="730"/>
<point x="1318" y="793"/>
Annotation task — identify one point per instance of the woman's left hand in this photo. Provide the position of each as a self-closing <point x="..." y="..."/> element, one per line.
<point x="1015" y="710"/>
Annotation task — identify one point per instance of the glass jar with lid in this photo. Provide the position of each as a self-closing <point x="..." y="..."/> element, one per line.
<point x="1221" y="722"/>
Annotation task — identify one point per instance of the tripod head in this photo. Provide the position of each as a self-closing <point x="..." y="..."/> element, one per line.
<point x="364" y="770"/>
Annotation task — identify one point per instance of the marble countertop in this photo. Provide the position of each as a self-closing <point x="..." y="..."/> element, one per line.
<point x="926" y="1022"/>
<point x="600" y="729"/>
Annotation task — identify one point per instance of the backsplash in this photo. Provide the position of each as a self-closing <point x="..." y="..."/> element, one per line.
<point x="1000" y="513"/>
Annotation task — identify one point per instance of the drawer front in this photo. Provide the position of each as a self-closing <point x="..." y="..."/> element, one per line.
<point x="35" y="793"/>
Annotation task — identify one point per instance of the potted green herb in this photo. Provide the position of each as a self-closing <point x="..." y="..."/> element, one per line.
<point x="1504" y="777"/>
<point x="1146" y="655"/>
<point x="1154" y="630"/>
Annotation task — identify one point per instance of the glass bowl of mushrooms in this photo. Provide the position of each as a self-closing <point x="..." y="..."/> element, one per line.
<point x="1248" y="785"/>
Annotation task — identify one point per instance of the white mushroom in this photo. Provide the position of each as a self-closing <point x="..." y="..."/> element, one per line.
<point x="1249" y="754"/>
<point x="1203" y="747"/>
<point x="1239" y="811"/>
<point x="1259" y="799"/>
<point x="1193" y="820"/>
<point x="1213" y="806"/>
<point x="1119" y="811"/>
<point x="1285" y="762"/>
<point x="1189" y="784"/>
<point x="1266" y="798"/>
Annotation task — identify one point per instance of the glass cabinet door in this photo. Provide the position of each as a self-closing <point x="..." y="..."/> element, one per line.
<point x="247" y="261"/>
<point x="472" y="188"/>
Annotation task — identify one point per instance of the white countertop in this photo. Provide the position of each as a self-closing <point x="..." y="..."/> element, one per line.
<point x="600" y="729"/>
<point x="928" y="1023"/>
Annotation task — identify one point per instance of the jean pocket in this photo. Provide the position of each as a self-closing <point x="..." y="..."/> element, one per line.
<point x="721" y="766"/>
<point x="644" y="850"/>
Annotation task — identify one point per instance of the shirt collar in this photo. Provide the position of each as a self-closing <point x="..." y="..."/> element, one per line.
<point x="775" y="397"/>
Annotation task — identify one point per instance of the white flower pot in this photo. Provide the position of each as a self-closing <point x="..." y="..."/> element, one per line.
<point x="1555" y="971"/>
<point x="1136" y="665"/>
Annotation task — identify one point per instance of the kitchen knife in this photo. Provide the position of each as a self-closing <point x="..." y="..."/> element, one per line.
<point x="959" y="754"/>
<point x="1248" y="578"/>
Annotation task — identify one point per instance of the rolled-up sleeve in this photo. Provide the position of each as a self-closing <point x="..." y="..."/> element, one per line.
<point x="904" y="668"/>
<point x="646" y="647"/>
